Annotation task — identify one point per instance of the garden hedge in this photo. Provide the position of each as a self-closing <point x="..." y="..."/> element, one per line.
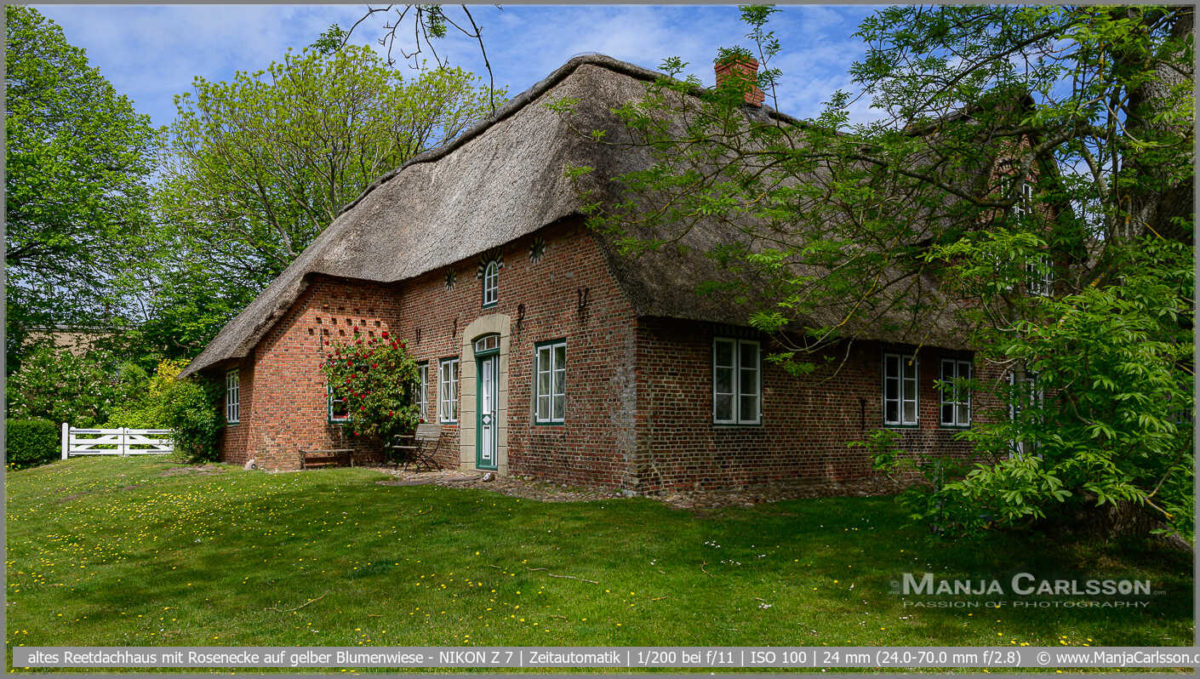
<point x="31" y="442"/>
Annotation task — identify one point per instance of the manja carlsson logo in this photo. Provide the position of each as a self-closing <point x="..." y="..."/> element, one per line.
<point x="1021" y="584"/>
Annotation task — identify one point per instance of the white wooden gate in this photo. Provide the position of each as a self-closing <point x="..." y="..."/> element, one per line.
<point x="121" y="442"/>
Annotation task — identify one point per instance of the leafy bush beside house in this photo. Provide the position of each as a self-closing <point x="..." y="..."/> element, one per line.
<point x="148" y="411"/>
<point x="31" y="442"/>
<point x="187" y="409"/>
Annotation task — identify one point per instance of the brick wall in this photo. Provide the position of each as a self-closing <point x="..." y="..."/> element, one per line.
<point x="284" y="371"/>
<point x="639" y="392"/>
<point x="567" y="293"/>
<point x="806" y="422"/>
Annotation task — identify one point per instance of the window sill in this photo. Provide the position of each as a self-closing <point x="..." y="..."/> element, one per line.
<point x="734" y="425"/>
<point x="954" y="426"/>
<point x="901" y="426"/>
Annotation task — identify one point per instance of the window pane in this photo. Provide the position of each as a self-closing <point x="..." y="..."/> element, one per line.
<point x="724" y="380"/>
<point x="723" y="408"/>
<point x="910" y="412"/>
<point x="891" y="411"/>
<point x="724" y="353"/>
<point x="560" y="357"/>
<point x="964" y="413"/>
<point x="559" y="387"/>
<point x="749" y="355"/>
<point x="560" y="402"/>
<point x="543" y="407"/>
<point x="749" y="382"/>
<point x="543" y="383"/>
<point x="891" y="366"/>
<point x="749" y="408"/>
<point x="947" y="413"/>
<point x="891" y="390"/>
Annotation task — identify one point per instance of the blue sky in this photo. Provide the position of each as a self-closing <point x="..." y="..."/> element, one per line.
<point x="152" y="52"/>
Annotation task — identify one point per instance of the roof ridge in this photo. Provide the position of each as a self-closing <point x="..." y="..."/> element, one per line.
<point x="512" y="106"/>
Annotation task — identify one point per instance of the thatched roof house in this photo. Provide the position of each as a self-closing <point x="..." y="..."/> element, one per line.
<point x="494" y="205"/>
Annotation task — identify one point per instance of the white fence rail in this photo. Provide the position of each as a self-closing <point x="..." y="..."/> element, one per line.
<point x="123" y="442"/>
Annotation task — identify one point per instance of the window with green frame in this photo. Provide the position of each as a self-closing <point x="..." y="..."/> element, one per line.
<point x="737" y="381"/>
<point x="233" y="397"/>
<point x="955" y="399"/>
<point x="421" y="397"/>
<point x="550" y="382"/>
<point x="338" y="410"/>
<point x="900" y="399"/>
<point x="448" y="390"/>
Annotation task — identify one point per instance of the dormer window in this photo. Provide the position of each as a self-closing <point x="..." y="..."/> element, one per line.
<point x="491" y="284"/>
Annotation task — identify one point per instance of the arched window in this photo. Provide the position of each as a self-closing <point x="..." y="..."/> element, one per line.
<point x="491" y="283"/>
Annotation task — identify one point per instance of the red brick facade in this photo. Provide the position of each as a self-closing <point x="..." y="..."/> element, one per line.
<point x="639" y="404"/>
<point x="807" y="422"/>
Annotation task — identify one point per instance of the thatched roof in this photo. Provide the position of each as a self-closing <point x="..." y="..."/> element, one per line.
<point x="499" y="181"/>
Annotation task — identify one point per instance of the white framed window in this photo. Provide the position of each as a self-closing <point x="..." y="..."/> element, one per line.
<point x="421" y="397"/>
<point x="900" y="390"/>
<point x="1024" y="204"/>
<point x="956" y="400"/>
<point x="448" y="390"/>
<point x="338" y="410"/>
<point x="491" y="283"/>
<point x="487" y="343"/>
<point x="550" y="382"/>
<point x="1023" y="393"/>
<point x="1039" y="277"/>
<point x="737" y="381"/>
<point x="232" y="397"/>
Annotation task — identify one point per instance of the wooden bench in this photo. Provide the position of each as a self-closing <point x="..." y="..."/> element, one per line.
<point x="326" y="457"/>
<point x="419" y="448"/>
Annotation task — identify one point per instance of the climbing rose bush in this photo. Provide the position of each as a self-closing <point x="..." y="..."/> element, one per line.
<point x="377" y="378"/>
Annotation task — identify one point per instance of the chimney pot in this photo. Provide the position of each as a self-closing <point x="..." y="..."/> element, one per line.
<point x="745" y="69"/>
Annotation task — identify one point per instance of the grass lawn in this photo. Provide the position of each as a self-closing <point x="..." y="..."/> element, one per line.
<point x="113" y="551"/>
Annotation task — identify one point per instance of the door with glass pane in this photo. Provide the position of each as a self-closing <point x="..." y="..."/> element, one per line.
<point x="485" y="452"/>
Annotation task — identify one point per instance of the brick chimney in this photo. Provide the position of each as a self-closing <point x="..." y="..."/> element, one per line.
<point x="744" y="69"/>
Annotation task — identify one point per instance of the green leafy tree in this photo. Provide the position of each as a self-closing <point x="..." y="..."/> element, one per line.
<point x="78" y="160"/>
<point x="377" y="378"/>
<point x="80" y="389"/>
<point x="1035" y="161"/>
<point x="260" y="165"/>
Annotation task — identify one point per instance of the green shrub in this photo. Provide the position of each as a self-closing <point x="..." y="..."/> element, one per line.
<point x="31" y="442"/>
<point x="148" y="410"/>
<point x="187" y="409"/>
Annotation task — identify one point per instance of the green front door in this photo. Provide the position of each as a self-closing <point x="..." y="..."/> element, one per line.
<point x="486" y="414"/>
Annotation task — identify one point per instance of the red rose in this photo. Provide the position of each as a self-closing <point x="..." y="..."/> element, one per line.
<point x="385" y="334"/>
<point x="374" y="365"/>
